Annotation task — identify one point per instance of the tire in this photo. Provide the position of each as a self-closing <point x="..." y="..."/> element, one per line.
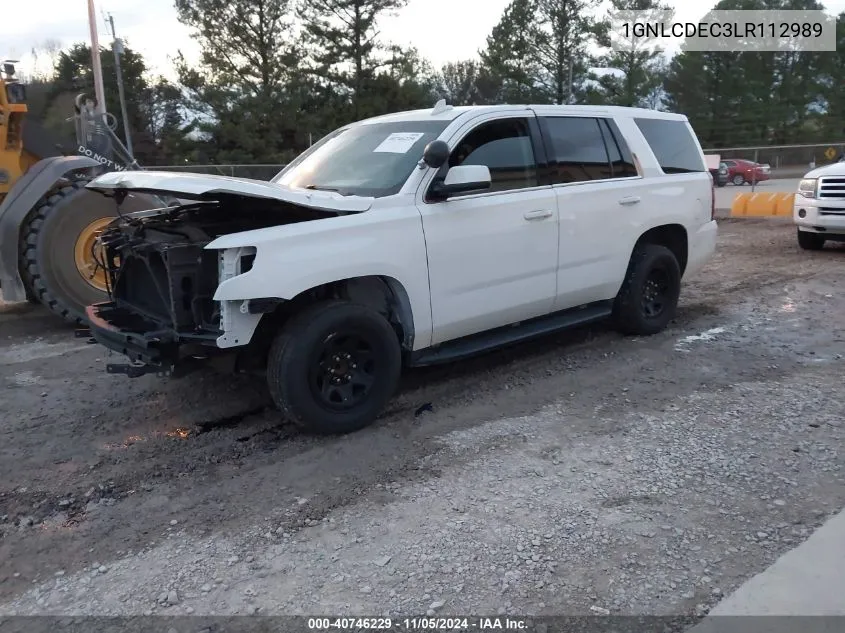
<point x="633" y="313"/>
<point x="296" y="380"/>
<point x="738" y="180"/>
<point x="48" y="240"/>
<point x="810" y="241"/>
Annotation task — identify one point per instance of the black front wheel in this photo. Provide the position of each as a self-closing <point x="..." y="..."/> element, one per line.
<point x="649" y="295"/>
<point x="809" y="241"/>
<point x="333" y="367"/>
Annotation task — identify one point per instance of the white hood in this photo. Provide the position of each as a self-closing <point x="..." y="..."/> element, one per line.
<point x="834" y="169"/>
<point x="192" y="186"/>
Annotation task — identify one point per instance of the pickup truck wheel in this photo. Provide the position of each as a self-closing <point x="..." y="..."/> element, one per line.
<point x="649" y="295"/>
<point x="810" y="241"/>
<point x="333" y="367"/>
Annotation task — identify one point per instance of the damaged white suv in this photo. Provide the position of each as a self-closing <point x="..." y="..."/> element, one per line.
<point x="406" y="240"/>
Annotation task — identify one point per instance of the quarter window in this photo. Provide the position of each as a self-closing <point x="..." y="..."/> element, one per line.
<point x="504" y="146"/>
<point x="673" y="144"/>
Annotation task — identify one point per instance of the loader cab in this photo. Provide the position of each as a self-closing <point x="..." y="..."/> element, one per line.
<point x="12" y="108"/>
<point x="14" y="161"/>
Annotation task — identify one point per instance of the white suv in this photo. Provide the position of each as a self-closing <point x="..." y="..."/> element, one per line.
<point x="406" y="240"/>
<point x="819" y="211"/>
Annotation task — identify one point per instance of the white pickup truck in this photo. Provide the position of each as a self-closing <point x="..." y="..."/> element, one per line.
<point x="819" y="209"/>
<point x="404" y="240"/>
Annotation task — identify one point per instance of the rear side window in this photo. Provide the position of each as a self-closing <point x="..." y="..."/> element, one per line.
<point x="621" y="161"/>
<point x="673" y="145"/>
<point x="578" y="152"/>
<point x="584" y="149"/>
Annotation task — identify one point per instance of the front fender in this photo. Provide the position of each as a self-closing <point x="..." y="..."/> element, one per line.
<point x="292" y="259"/>
<point x="22" y="198"/>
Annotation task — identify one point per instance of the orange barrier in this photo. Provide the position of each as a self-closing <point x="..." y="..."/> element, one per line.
<point x="760" y="204"/>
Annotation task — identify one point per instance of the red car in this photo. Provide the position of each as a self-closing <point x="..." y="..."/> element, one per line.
<point x="741" y="171"/>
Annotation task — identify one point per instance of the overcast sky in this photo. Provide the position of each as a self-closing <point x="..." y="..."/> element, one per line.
<point x="150" y="26"/>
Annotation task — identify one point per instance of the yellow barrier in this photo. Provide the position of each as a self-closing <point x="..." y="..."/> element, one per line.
<point x="785" y="205"/>
<point x="739" y="204"/>
<point x="759" y="204"/>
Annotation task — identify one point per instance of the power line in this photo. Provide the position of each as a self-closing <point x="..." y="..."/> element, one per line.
<point x="117" y="46"/>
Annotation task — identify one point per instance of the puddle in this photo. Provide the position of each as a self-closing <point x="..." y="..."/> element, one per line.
<point x="709" y="335"/>
<point x="36" y="350"/>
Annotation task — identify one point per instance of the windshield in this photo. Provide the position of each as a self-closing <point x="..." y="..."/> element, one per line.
<point x="367" y="160"/>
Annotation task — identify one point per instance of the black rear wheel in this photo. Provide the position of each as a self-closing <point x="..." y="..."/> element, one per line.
<point x="649" y="295"/>
<point x="333" y="367"/>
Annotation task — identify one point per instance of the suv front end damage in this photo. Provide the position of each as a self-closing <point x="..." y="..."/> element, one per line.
<point x="162" y="279"/>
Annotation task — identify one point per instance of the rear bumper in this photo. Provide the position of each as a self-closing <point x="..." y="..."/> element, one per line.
<point x="138" y="339"/>
<point x="702" y="245"/>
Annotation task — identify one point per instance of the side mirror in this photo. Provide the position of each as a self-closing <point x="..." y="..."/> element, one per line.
<point x="436" y="154"/>
<point x="464" y="179"/>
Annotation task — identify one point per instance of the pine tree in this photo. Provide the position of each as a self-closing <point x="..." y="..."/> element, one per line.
<point x="643" y="68"/>
<point x="509" y="59"/>
<point x="467" y="82"/>
<point x="248" y="73"/>
<point x="749" y="98"/>
<point x="565" y="29"/>
<point x="344" y="42"/>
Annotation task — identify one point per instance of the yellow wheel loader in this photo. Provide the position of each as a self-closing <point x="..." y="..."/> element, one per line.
<point x="49" y="221"/>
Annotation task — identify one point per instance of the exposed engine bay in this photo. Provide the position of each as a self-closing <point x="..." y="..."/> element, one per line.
<point x="162" y="280"/>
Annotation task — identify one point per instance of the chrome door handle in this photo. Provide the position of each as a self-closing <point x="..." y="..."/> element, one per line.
<point x="629" y="200"/>
<point x="537" y="215"/>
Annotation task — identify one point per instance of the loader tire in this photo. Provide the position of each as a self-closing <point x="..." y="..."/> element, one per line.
<point x="49" y="245"/>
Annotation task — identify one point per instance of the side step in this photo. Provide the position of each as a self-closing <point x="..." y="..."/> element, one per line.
<point x="508" y="335"/>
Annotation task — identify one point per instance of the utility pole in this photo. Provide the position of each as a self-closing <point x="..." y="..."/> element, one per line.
<point x="569" y="96"/>
<point x="99" y="92"/>
<point x="117" y="45"/>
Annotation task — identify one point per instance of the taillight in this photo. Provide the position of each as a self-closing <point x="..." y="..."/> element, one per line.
<point x="712" y="199"/>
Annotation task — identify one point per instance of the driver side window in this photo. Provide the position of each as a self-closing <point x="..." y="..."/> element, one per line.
<point x="504" y="146"/>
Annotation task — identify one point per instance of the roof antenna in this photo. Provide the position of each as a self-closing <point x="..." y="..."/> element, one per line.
<point x="440" y="107"/>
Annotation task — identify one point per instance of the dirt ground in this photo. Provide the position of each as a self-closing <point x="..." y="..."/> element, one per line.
<point x="586" y="473"/>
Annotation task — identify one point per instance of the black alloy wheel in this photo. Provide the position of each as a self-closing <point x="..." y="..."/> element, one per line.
<point x="656" y="293"/>
<point x="334" y="366"/>
<point x="343" y="370"/>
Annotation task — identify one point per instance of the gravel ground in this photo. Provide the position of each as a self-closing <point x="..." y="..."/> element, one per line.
<point x="586" y="473"/>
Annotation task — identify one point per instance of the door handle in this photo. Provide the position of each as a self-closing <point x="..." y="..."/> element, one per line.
<point x="537" y="215"/>
<point x="629" y="200"/>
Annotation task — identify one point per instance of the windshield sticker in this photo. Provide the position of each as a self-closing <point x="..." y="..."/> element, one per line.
<point x="399" y="142"/>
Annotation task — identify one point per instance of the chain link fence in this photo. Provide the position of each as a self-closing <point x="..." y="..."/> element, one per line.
<point x="786" y="161"/>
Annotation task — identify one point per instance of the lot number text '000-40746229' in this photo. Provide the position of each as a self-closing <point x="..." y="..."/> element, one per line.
<point x="417" y="624"/>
